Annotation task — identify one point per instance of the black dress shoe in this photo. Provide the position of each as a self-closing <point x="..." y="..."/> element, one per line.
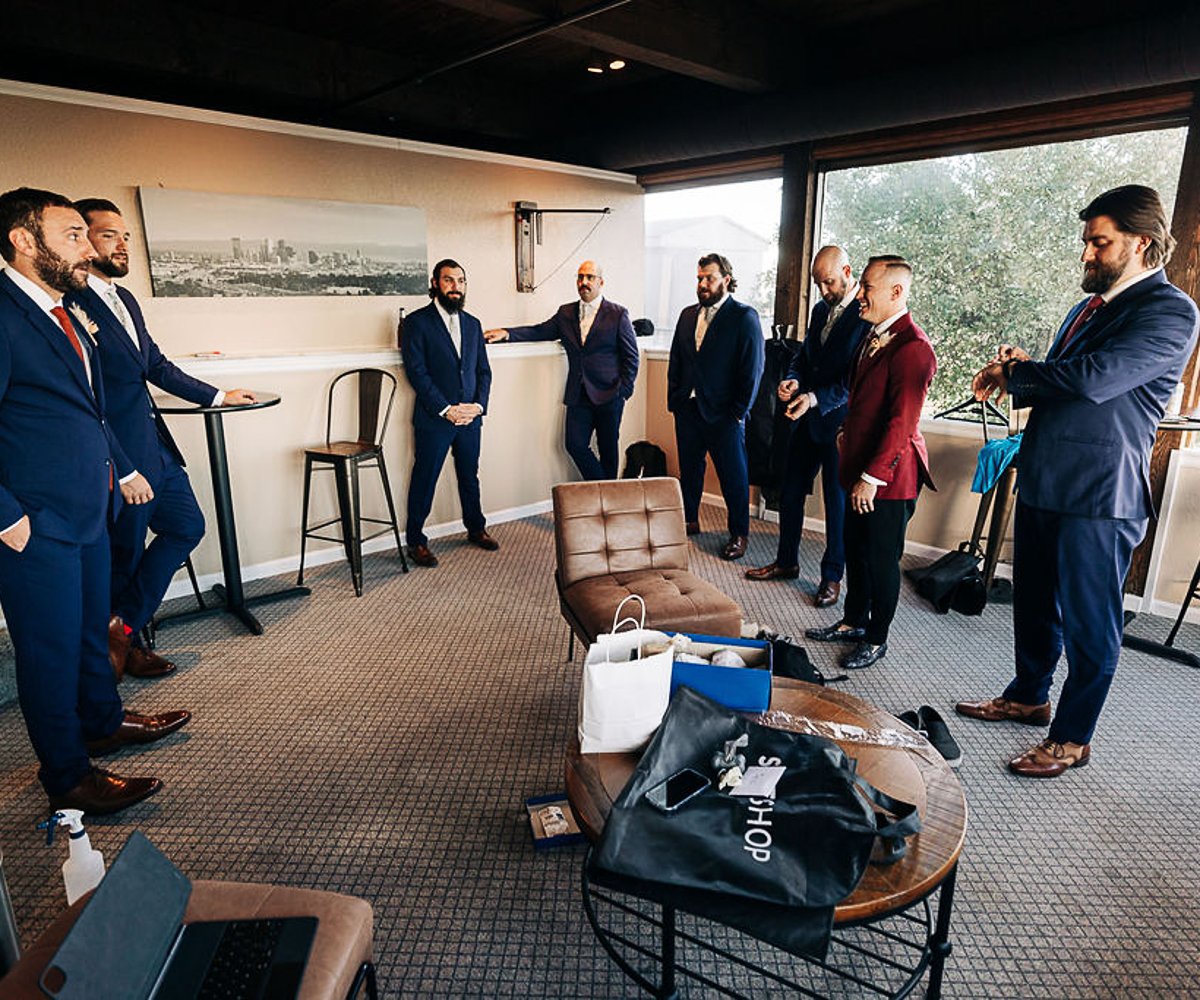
<point x="421" y="555"/>
<point x="147" y="664"/>
<point x="693" y="527"/>
<point x="735" y="548"/>
<point x="483" y="540"/>
<point x="101" y="793"/>
<point x="864" y="655"/>
<point x="827" y="594"/>
<point x="835" y="633"/>
<point x="135" y="729"/>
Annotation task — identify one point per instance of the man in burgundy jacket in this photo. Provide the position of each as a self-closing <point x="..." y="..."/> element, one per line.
<point x="884" y="463"/>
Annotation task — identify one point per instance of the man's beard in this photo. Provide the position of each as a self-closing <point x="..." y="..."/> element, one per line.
<point x="56" y="272"/>
<point x="449" y="304"/>
<point x="1101" y="277"/>
<point x="707" y="298"/>
<point x="832" y="298"/>
<point x="110" y="268"/>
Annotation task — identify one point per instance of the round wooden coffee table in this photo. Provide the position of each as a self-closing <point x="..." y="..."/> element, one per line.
<point x="919" y="776"/>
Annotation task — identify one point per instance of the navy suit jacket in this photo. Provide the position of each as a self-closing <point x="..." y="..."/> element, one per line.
<point x="55" y="444"/>
<point x="725" y="371"/>
<point x="604" y="367"/>
<point x="438" y="375"/>
<point x="1095" y="408"/>
<point x="131" y="411"/>
<point x="824" y="369"/>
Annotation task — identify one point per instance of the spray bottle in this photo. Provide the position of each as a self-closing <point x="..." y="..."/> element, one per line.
<point x="84" y="867"/>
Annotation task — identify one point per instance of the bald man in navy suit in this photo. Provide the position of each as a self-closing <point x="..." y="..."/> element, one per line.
<point x="59" y="466"/>
<point x="1084" y="486"/>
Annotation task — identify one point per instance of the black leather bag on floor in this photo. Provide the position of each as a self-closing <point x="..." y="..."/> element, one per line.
<point x="773" y="867"/>
<point x="952" y="582"/>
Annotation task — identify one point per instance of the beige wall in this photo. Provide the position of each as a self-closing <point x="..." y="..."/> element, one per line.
<point x="295" y="346"/>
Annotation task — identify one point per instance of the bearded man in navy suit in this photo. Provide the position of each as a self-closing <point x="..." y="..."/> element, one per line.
<point x="445" y="359"/>
<point x="602" y="365"/>
<point x="59" y="462"/>
<point x="1084" y="486"/>
<point x="160" y="498"/>
<point x="815" y="391"/>
<point x="712" y="378"/>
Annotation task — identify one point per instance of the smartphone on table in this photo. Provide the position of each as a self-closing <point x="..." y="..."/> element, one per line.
<point x="680" y="787"/>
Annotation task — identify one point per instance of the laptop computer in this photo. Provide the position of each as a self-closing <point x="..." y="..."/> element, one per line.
<point x="130" y="941"/>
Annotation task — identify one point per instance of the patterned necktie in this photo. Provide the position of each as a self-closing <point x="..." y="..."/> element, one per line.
<point x="702" y="321"/>
<point x="119" y="310"/>
<point x="834" y="315"/>
<point x="60" y="314"/>
<point x="586" y="316"/>
<point x="1085" y="314"/>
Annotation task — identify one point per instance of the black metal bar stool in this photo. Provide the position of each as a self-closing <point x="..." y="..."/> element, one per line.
<point x="344" y="459"/>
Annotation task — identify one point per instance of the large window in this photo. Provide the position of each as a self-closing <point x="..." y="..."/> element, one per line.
<point x="993" y="237"/>
<point x="738" y="220"/>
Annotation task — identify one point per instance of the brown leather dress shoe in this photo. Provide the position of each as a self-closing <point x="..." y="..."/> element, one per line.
<point x="101" y="793"/>
<point x="147" y="663"/>
<point x="735" y="548"/>
<point x="421" y="555"/>
<point x="773" y="571"/>
<point x="483" y="540"/>
<point x="1049" y="759"/>
<point x="118" y="646"/>
<point x="1003" y="710"/>
<point x="136" y="729"/>
<point x="693" y="527"/>
<point x="827" y="594"/>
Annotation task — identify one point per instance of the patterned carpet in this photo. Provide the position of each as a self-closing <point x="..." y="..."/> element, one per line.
<point x="383" y="747"/>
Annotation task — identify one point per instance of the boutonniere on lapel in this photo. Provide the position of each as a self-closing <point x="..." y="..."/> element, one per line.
<point x="89" y="327"/>
<point x="878" y="342"/>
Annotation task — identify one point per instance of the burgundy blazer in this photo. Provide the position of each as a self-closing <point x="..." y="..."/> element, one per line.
<point x="881" y="435"/>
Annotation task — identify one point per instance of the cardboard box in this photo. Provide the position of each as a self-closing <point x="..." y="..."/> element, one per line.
<point x="744" y="689"/>
<point x="542" y="822"/>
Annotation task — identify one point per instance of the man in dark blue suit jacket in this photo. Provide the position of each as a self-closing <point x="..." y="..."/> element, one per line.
<point x="602" y="365"/>
<point x="160" y="498"/>
<point x="59" y="460"/>
<point x="712" y="376"/>
<point x="815" y="390"/>
<point x="1084" y="499"/>
<point x="445" y="359"/>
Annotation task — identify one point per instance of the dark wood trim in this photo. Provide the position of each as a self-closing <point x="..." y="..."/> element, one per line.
<point x="1044" y="123"/>
<point x="744" y="167"/>
<point x="797" y="230"/>
<point x="1184" y="271"/>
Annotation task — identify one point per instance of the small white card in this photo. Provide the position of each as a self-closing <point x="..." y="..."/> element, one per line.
<point x="759" y="782"/>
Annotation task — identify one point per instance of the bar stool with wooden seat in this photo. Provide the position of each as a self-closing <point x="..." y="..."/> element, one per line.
<point x="345" y="458"/>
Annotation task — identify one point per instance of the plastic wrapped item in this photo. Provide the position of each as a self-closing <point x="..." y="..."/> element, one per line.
<point x="726" y="658"/>
<point x="874" y="736"/>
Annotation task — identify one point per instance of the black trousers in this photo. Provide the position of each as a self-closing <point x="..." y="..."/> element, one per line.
<point x="874" y="545"/>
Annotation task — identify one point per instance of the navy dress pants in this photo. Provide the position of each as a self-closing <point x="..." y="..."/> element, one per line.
<point x="1068" y="579"/>
<point x="586" y="418"/>
<point x="805" y="458"/>
<point x="55" y="598"/>
<point x="725" y="441"/>
<point x="433" y="438"/>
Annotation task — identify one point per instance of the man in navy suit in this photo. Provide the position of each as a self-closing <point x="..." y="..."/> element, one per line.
<point x="602" y="365"/>
<point x="712" y="377"/>
<point x="59" y="461"/>
<point x="815" y="391"/>
<point x="1084" y="499"/>
<point x="445" y="359"/>
<point x="158" y="497"/>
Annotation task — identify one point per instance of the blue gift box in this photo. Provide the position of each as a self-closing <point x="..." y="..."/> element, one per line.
<point x="744" y="689"/>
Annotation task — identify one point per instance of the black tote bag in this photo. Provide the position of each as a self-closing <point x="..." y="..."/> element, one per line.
<point x="772" y="867"/>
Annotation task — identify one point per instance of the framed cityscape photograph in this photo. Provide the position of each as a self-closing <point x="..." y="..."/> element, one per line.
<point x="205" y="245"/>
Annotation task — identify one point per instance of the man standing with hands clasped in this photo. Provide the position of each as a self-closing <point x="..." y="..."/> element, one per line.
<point x="445" y="359"/>
<point x="602" y="365"/>
<point x="884" y="463"/>
<point x="1084" y="499"/>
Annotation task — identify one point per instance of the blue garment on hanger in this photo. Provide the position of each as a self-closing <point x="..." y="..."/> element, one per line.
<point x="994" y="458"/>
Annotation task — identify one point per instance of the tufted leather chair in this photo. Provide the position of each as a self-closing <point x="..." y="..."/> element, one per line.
<point x="627" y="536"/>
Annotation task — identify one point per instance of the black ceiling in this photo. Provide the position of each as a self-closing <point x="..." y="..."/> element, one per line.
<point x="703" y="77"/>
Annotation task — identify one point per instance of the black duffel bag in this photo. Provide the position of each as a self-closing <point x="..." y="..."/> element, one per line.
<point x="774" y="868"/>
<point x="953" y="581"/>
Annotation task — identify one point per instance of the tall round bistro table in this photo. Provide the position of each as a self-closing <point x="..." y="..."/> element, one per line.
<point x="901" y="890"/>
<point x="231" y="597"/>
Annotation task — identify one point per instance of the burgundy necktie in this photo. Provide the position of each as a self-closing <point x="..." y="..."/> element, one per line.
<point x="1086" y="313"/>
<point x="60" y="314"/>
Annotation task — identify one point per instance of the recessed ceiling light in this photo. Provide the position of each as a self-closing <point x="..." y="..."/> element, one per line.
<point x="617" y="64"/>
<point x="595" y="63"/>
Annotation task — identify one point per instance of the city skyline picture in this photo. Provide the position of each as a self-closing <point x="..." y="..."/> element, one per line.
<point x="205" y="245"/>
